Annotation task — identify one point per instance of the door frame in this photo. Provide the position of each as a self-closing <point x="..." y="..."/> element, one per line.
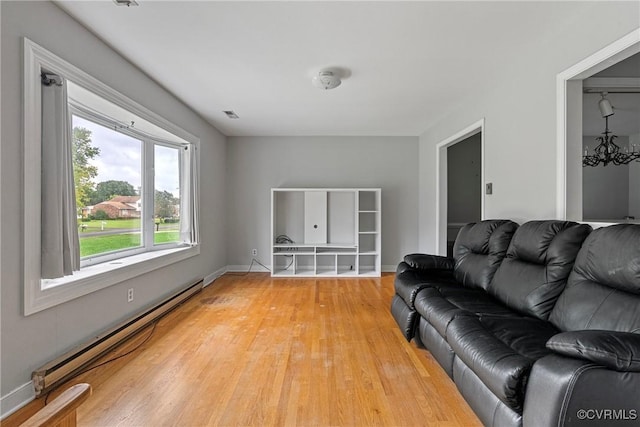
<point x="442" y="184"/>
<point x="569" y="121"/>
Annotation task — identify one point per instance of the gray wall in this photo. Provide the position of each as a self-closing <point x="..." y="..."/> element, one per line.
<point x="519" y="108"/>
<point x="28" y="342"/>
<point x="605" y="189"/>
<point x="257" y="164"/>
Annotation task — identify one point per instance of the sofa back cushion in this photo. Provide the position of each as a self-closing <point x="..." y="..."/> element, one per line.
<point x="479" y="250"/>
<point x="537" y="265"/>
<point x="603" y="290"/>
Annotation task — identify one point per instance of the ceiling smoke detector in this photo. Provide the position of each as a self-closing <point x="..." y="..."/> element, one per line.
<point x="326" y="80"/>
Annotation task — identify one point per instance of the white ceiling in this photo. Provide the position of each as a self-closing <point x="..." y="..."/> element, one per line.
<point x="410" y="62"/>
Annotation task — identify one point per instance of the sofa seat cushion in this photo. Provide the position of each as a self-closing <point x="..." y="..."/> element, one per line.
<point x="475" y="301"/>
<point x="501" y="351"/>
<point x="440" y="305"/>
<point x="408" y="283"/>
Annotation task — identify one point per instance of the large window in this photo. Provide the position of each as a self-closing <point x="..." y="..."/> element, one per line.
<point x="134" y="182"/>
<point x="127" y="183"/>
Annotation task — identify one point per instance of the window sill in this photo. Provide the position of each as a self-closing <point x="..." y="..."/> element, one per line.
<point x="93" y="278"/>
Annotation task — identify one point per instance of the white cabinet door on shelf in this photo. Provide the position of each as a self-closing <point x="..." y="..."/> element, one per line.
<point x="315" y="217"/>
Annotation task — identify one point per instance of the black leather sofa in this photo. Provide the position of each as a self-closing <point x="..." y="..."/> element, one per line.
<point x="537" y="325"/>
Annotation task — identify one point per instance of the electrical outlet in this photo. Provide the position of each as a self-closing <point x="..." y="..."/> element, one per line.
<point x="130" y="295"/>
<point x="254" y="252"/>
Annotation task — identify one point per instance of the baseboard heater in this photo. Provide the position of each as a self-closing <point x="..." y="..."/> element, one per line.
<point x="64" y="367"/>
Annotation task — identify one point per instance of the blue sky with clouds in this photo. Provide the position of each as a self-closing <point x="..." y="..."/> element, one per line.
<point x="121" y="158"/>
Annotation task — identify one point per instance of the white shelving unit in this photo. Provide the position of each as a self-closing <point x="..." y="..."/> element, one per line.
<point x="332" y="232"/>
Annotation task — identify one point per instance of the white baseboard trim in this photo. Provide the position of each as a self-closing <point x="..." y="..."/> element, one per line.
<point x="255" y="268"/>
<point x="16" y="399"/>
<point x="210" y="278"/>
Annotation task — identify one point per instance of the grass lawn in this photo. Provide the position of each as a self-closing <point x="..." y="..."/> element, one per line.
<point x="166" y="236"/>
<point x="101" y="244"/>
<point x="110" y="224"/>
<point x="96" y="225"/>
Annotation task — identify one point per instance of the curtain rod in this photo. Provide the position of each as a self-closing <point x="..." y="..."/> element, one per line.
<point x="49" y="79"/>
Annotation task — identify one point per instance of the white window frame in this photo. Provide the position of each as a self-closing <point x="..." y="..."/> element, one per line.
<point x="147" y="168"/>
<point x="39" y="294"/>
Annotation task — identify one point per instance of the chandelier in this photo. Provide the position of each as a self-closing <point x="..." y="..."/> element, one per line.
<point x="607" y="151"/>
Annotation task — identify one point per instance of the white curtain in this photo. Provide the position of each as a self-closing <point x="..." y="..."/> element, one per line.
<point x="189" y="194"/>
<point x="59" y="244"/>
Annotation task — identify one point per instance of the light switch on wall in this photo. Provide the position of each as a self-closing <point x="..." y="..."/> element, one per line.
<point x="489" y="188"/>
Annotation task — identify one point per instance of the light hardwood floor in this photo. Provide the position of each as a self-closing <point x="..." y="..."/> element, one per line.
<point x="255" y="351"/>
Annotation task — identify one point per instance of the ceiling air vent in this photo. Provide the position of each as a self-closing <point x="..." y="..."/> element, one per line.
<point x="231" y="114"/>
<point x="126" y="2"/>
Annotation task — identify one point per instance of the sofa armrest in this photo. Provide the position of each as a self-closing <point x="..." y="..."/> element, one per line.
<point x="429" y="262"/>
<point x="619" y="351"/>
<point x="565" y="391"/>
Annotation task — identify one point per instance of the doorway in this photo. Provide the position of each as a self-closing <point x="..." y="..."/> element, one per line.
<point x="476" y="131"/>
<point x="570" y="142"/>
<point x="463" y="186"/>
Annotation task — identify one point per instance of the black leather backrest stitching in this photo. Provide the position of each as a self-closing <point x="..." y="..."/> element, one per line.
<point x="599" y="306"/>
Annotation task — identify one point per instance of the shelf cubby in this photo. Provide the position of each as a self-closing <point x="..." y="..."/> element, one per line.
<point x="304" y="264"/>
<point x="346" y="265"/>
<point x="367" y="265"/>
<point x="368" y="243"/>
<point x="368" y="222"/>
<point x="336" y="249"/>
<point x="326" y="264"/>
<point x="282" y="264"/>
<point x="368" y="200"/>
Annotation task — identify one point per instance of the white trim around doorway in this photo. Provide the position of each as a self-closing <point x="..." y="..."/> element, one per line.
<point x="568" y="142"/>
<point x="441" y="180"/>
